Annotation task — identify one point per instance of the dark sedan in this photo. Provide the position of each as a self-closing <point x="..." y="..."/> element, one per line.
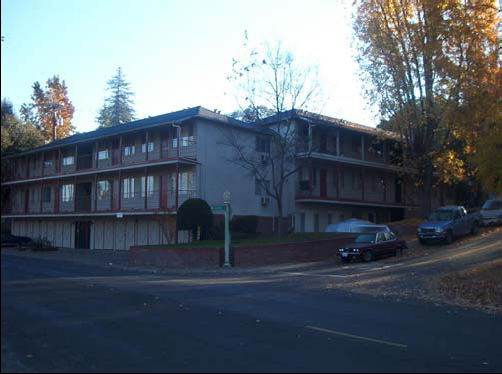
<point x="9" y="240"/>
<point x="369" y="246"/>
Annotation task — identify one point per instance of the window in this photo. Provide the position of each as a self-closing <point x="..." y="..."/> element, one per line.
<point x="261" y="187"/>
<point x="46" y="194"/>
<point x="129" y="150"/>
<point x="103" y="155"/>
<point x="128" y="187"/>
<point x="389" y="236"/>
<point x="150" y="147"/>
<point x="103" y="190"/>
<point x="68" y="161"/>
<point x="262" y="144"/>
<point x="185" y="181"/>
<point x="380" y="237"/>
<point x="67" y="193"/>
<point x="33" y="195"/>
<point x="356" y="145"/>
<point x="149" y="181"/>
<point x="376" y="184"/>
<point x="356" y="181"/>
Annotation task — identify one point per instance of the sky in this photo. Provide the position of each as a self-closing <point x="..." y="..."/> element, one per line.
<point x="175" y="54"/>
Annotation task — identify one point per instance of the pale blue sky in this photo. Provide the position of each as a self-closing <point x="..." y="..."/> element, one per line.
<point x="175" y="54"/>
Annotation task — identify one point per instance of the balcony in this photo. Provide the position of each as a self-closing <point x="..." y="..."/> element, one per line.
<point x="85" y="203"/>
<point x="84" y="165"/>
<point x="346" y="197"/>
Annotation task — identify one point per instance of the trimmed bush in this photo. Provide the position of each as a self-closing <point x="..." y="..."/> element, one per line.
<point x="195" y="213"/>
<point x="244" y="224"/>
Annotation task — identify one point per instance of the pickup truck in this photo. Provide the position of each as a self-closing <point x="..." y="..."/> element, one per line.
<point x="446" y="223"/>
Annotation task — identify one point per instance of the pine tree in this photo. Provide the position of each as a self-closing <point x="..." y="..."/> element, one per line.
<point x="118" y="107"/>
<point x="53" y="100"/>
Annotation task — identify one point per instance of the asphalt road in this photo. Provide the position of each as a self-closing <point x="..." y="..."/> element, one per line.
<point x="62" y="317"/>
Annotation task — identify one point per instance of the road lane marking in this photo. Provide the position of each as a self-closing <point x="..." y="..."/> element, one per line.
<point x="357" y="337"/>
<point x="317" y="275"/>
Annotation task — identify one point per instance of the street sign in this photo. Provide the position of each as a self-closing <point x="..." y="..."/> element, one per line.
<point x="218" y="208"/>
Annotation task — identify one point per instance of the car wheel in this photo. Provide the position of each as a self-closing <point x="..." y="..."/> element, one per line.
<point x="449" y="237"/>
<point x="367" y="256"/>
<point x="475" y="228"/>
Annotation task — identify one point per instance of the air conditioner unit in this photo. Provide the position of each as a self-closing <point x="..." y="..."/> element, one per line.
<point x="265" y="201"/>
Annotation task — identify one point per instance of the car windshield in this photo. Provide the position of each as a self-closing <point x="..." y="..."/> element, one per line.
<point x="492" y="205"/>
<point x="366" y="238"/>
<point x="442" y="215"/>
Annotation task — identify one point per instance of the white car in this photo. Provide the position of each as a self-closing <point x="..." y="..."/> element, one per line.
<point x="356" y="226"/>
<point x="491" y="212"/>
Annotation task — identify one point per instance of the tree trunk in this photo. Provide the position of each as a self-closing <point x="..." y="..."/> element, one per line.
<point x="279" y="219"/>
<point x="426" y="204"/>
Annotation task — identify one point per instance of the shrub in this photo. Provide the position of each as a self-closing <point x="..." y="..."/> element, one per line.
<point x="42" y="245"/>
<point x="195" y="213"/>
<point x="244" y="224"/>
<point x="216" y="232"/>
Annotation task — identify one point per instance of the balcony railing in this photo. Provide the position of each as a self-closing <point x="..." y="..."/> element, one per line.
<point x="155" y="201"/>
<point x="86" y="162"/>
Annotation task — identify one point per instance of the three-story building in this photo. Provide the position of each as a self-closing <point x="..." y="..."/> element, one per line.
<point x="113" y="188"/>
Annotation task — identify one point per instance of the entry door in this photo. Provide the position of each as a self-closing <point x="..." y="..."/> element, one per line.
<point x="116" y="153"/>
<point x="324" y="182"/>
<point x="83" y="235"/>
<point x="165" y="147"/>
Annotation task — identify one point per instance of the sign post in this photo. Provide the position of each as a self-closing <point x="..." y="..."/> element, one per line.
<point x="227" y="200"/>
<point x="226" y="209"/>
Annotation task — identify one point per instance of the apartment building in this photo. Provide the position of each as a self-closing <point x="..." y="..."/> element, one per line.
<point x="117" y="187"/>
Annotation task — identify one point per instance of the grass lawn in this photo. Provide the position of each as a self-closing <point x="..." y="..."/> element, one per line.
<point x="260" y="240"/>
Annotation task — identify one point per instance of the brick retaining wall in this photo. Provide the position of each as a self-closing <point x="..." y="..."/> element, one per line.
<point x="176" y="257"/>
<point x="247" y="256"/>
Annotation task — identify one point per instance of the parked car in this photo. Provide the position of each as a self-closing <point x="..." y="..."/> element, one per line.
<point x="9" y="240"/>
<point x="491" y="212"/>
<point x="355" y="225"/>
<point x="368" y="246"/>
<point x="446" y="223"/>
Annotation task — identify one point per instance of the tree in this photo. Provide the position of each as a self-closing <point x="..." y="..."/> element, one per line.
<point x="118" y="107"/>
<point x="195" y="215"/>
<point x="429" y="67"/>
<point x="268" y="81"/>
<point x="250" y="114"/>
<point x="49" y="105"/>
<point x="17" y="136"/>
